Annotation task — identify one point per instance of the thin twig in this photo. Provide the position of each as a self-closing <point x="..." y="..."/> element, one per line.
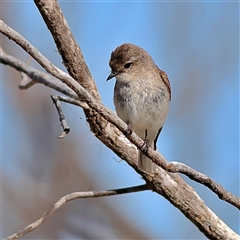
<point x="73" y="196"/>
<point x="177" y="167"/>
<point x="72" y="101"/>
<point x="36" y="75"/>
<point x="66" y="128"/>
<point x="26" y="81"/>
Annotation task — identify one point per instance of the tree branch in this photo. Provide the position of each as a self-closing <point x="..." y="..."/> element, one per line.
<point x="177" y="167"/>
<point x="171" y="186"/>
<point x="174" y="167"/>
<point x="68" y="48"/>
<point x="74" y="196"/>
<point x="34" y="74"/>
<point x="66" y="128"/>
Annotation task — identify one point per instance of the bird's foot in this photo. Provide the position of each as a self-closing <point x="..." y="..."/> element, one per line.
<point x="146" y="143"/>
<point x="145" y="146"/>
<point x="128" y="131"/>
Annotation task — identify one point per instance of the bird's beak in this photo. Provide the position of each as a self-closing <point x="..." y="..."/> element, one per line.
<point x="112" y="75"/>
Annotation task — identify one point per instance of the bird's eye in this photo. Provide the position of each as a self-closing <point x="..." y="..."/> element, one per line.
<point x="127" y="65"/>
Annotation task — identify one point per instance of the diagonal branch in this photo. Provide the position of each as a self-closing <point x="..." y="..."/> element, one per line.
<point x="74" y="196"/>
<point x="177" y="167"/>
<point x="171" y="186"/>
<point x="68" y="48"/>
<point x="36" y="75"/>
<point x="174" y="167"/>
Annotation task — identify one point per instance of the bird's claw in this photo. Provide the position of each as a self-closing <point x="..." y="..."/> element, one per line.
<point x="128" y="131"/>
<point x="145" y="146"/>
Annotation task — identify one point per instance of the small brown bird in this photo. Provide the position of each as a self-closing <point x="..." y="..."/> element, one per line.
<point x="142" y="95"/>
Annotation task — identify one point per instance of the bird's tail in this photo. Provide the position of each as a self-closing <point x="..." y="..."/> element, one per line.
<point x="145" y="163"/>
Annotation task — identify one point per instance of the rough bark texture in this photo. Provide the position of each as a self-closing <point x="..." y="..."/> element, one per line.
<point x="69" y="50"/>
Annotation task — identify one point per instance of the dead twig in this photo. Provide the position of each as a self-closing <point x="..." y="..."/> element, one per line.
<point x="73" y="196"/>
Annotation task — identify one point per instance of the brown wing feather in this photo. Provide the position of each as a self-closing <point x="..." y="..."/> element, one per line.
<point x="165" y="79"/>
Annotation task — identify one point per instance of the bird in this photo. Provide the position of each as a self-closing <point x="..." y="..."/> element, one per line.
<point x="142" y="96"/>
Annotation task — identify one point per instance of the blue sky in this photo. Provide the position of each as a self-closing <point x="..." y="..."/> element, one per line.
<point x="197" y="44"/>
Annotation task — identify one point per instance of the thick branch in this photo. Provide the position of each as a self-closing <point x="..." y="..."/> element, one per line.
<point x="66" y="44"/>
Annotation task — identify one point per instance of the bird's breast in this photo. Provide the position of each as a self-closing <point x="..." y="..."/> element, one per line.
<point x="140" y="104"/>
